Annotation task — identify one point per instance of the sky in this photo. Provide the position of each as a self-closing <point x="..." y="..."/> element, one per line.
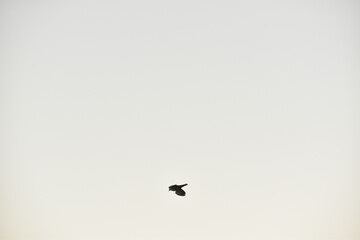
<point x="254" y="104"/>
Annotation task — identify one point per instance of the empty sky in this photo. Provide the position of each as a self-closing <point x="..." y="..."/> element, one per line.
<point x="254" y="104"/>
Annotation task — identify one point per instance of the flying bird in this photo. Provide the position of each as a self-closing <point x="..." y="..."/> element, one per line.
<point x="177" y="189"/>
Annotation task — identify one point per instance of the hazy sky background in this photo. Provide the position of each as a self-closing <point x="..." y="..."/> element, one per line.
<point x="254" y="104"/>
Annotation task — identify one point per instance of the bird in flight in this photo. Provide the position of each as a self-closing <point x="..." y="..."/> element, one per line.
<point x="177" y="189"/>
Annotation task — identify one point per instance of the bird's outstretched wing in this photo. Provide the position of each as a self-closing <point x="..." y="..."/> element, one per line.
<point x="180" y="192"/>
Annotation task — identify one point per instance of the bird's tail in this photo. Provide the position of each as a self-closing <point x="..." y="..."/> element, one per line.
<point x="183" y="185"/>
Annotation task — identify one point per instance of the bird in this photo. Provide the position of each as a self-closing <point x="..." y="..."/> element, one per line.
<point x="177" y="189"/>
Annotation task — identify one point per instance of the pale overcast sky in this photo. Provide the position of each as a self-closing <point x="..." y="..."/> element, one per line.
<point x="254" y="104"/>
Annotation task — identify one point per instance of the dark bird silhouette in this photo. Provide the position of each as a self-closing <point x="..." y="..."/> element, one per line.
<point x="177" y="189"/>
